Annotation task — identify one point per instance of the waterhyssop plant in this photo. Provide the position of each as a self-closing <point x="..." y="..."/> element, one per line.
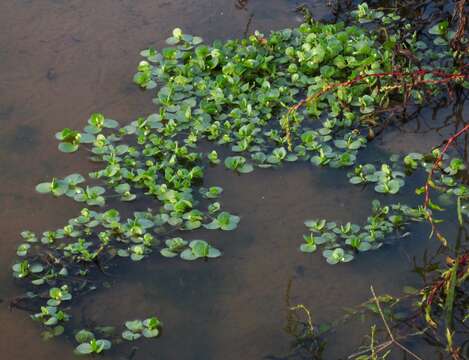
<point x="148" y="328"/>
<point x="307" y="94"/>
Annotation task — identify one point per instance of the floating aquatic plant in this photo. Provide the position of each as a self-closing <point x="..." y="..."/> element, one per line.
<point x="342" y="241"/>
<point x="149" y="328"/>
<point x="224" y="221"/>
<point x="91" y="346"/>
<point x="199" y="249"/>
<point x="306" y="94"/>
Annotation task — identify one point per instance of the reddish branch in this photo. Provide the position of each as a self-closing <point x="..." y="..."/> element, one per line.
<point x="438" y="286"/>
<point x="437" y="162"/>
<point x="416" y="80"/>
<point x="436" y="165"/>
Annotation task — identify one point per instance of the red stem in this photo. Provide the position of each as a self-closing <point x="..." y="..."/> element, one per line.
<point x="445" y="78"/>
<point x="436" y="164"/>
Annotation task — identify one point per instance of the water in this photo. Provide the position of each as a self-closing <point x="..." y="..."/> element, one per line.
<point x="62" y="60"/>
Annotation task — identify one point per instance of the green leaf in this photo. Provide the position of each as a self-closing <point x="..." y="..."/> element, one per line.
<point x="150" y="333"/>
<point x="152" y="323"/>
<point x="134" y="325"/>
<point x="36" y="268"/>
<point x="381" y="188"/>
<point x="67" y="147"/>
<point x="394" y="186"/>
<point x="84" y="349"/>
<point x="167" y="253"/>
<point x="103" y="345"/>
<point x="110" y="124"/>
<point x="356" y="180"/>
<point x="86" y="138"/>
<point x="213" y="253"/>
<point x="44" y="188"/>
<point x="84" y="336"/>
<point x="439" y="29"/>
<point x="130" y="336"/>
<point x="23" y="249"/>
<point x="246" y="168"/>
<point x="74" y="179"/>
<point x="172" y="41"/>
<point x="308" y="248"/>
<point x="188" y="255"/>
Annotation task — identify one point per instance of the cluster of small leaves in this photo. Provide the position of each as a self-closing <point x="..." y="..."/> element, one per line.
<point x="430" y="51"/>
<point x="196" y="249"/>
<point x="104" y="234"/>
<point x="88" y="344"/>
<point x="235" y="93"/>
<point x="135" y="329"/>
<point x="448" y="179"/>
<point x="342" y="242"/>
<point x="365" y="14"/>
<point x="442" y="32"/>
<point x="70" y="140"/>
<point x="387" y="179"/>
<point x="52" y="317"/>
<point x="62" y="256"/>
<point x="53" y="314"/>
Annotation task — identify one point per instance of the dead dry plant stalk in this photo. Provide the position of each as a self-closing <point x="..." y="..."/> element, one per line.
<point x="392" y="339"/>
<point x="461" y="17"/>
<point x="388" y="329"/>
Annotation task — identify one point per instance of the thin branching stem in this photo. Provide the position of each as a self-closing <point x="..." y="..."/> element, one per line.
<point x="388" y="329"/>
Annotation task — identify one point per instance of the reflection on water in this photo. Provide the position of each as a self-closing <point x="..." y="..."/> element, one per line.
<point x="62" y="60"/>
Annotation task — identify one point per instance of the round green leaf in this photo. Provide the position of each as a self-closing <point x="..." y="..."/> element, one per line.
<point x="67" y="147"/>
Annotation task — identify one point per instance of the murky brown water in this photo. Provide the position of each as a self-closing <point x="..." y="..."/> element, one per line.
<point x="61" y="60"/>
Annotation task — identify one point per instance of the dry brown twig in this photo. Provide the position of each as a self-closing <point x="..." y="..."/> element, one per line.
<point x="461" y="17"/>
<point x="392" y="339"/>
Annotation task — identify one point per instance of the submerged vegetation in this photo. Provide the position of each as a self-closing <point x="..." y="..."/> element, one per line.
<point x="315" y="94"/>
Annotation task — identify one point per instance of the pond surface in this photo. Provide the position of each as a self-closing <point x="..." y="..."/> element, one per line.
<point x="61" y="60"/>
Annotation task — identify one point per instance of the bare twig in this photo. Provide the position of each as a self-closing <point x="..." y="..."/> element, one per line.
<point x="308" y="316"/>
<point x="388" y="329"/>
